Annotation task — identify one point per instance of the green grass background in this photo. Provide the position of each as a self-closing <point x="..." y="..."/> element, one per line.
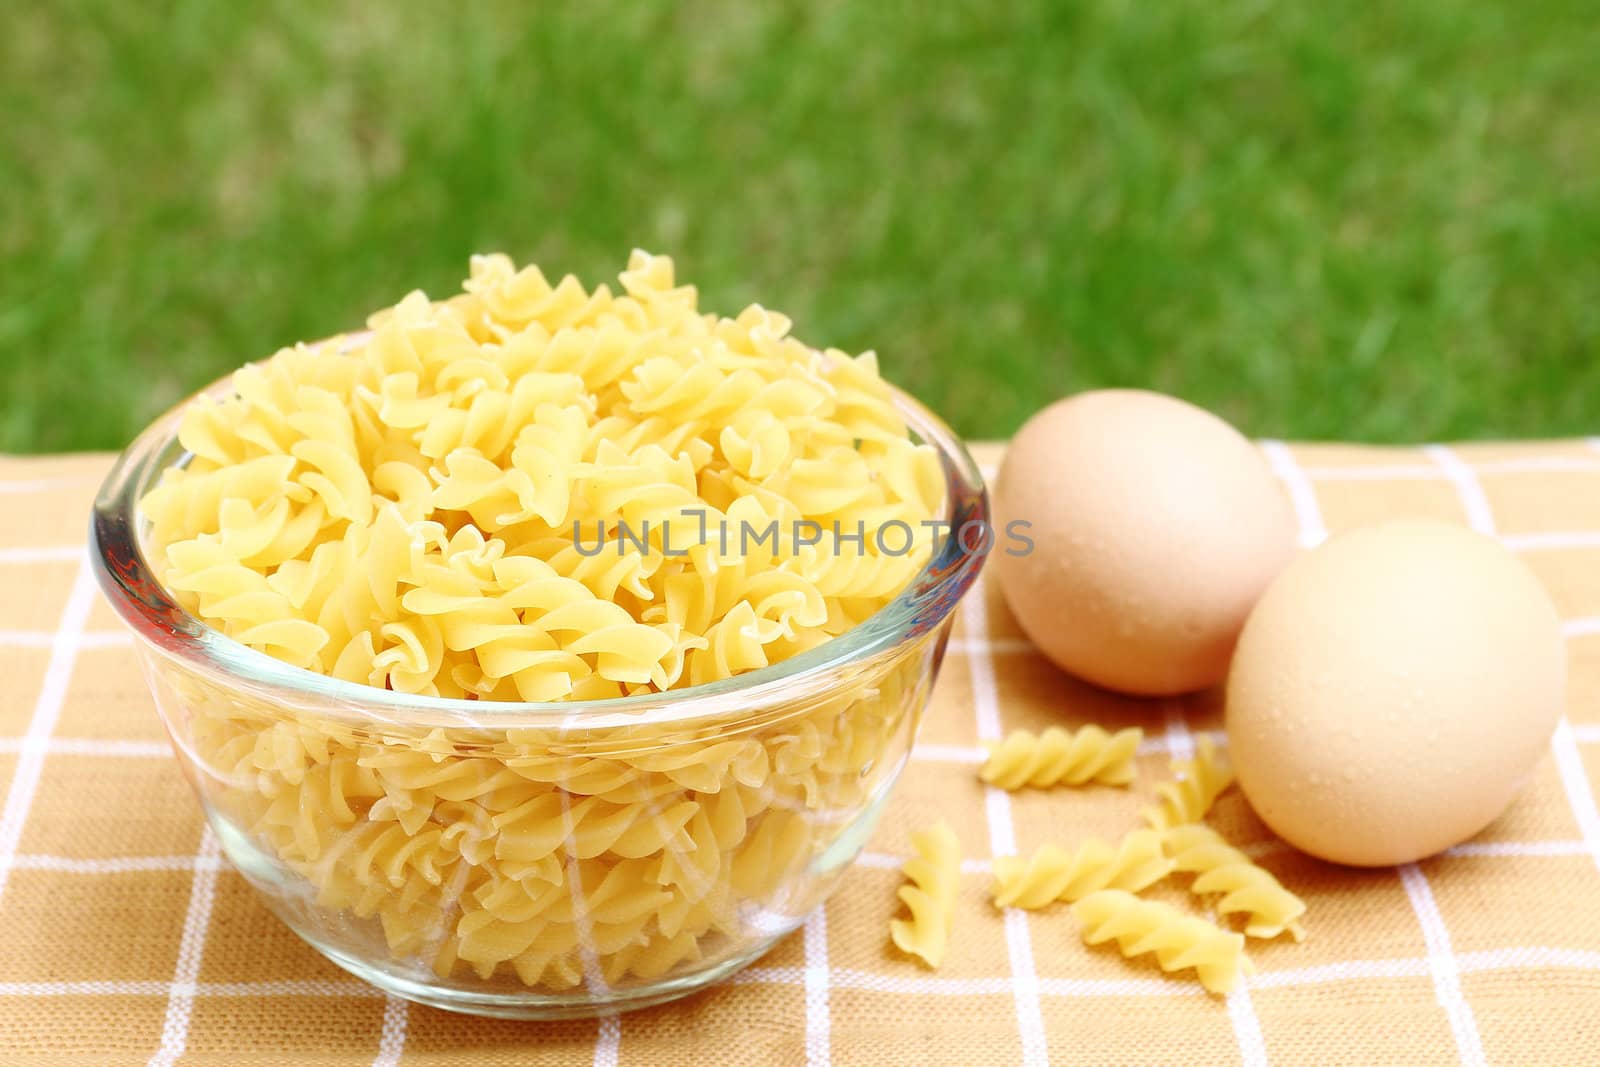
<point x="1374" y="221"/>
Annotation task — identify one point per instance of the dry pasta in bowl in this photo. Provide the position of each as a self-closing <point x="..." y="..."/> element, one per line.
<point x="544" y="650"/>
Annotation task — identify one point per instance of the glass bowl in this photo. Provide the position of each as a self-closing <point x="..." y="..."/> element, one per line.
<point x="540" y="860"/>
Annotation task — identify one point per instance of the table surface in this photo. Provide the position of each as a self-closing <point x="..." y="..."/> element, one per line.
<point x="128" y="941"/>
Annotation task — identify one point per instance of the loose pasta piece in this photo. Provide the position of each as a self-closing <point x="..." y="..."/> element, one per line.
<point x="1062" y="757"/>
<point x="1199" y="781"/>
<point x="1052" y="873"/>
<point x="1178" y="941"/>
<point x="1246" y="889"/>
<point x="934" y="874"/>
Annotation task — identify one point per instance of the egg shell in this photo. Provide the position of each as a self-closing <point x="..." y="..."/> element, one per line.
<point x="1392" y="691"/>
<point x="1155" y="526"/>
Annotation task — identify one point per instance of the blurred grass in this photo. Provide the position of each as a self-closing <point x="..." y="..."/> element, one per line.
<point x="1348" y="221"/>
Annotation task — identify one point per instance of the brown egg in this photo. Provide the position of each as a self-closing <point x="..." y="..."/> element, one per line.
<point x="1392" y="690"/>
<point x="1154" y="527"/>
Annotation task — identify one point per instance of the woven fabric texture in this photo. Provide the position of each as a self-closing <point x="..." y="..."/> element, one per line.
<point x="124" y="938"/>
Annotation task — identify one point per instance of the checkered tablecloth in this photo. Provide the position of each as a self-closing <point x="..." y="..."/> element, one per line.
<point x="123" y="938"/>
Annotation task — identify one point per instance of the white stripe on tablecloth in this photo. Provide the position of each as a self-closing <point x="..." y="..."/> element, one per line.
<point x="1343" y="971"/>
<point x="1376" y="473"/>
<point x="46" y="712"/>
<point x="191" y="949"/>
<point x="1246" y="1025"/>
<point x="819" y="1039"/>
<point x="86" y="746"/>
<point x="1546" y="956"/>
<point x="43" y="554"/>
<point x="1002" y="832"/>
<point x="154" y="988"/>
<point x="1180" y="743"/>
<point x="995" y="646"/>
<point x="44" y="638"/>
<point x="27" y="638"/>
<point x="304" y="987"/>
<point x="948" y="754"/>
<point x="1552" y="541"/>
<point x="392" y="1035"/>
<point x="310" y="987"/>
<point x="1569" y="762"/>
<point x="115" y="864"/>
<point x="1536" y="465"/>
<point x="608" y="1042"/>
<point x="1581" y="627"/>
<point x="1443" y="965"/>
<point x="1569" y="765"/>
<point x="1302" y="497"/>
<point x="43" y="485"/>
<point x="1479" y="515"/>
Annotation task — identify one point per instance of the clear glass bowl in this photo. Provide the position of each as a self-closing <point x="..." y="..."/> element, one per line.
<point x="540" y="860"/>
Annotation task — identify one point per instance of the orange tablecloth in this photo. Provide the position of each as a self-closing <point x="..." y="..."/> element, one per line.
<point x="124" y="940"/>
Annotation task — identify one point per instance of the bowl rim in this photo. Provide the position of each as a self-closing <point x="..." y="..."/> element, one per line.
<point x="117" y="555"/>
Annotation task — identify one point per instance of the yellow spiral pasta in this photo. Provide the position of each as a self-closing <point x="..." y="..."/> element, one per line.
<point x="1199" y="781"/>
<point x="934" y="875"/>
<point x="537" y="492"/>
<point x="520" y="856"/>
<point x="1052" y="873"/>
<point x="1247" y="889"/>
<point x="1178" y="941"/>
<point x="1059" y="756"/>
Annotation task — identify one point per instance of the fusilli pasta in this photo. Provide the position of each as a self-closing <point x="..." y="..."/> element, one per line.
<point x="530" y="492"/>
<point x="1060" y="756"/>
<point x="1052" y="873"/>
<point x="536" y="492"/>
<point x="1178" y="941"/>
<point x="1199" y="781"/>
<point x="934" y="874"/>
<point x="1247" y="889"/>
